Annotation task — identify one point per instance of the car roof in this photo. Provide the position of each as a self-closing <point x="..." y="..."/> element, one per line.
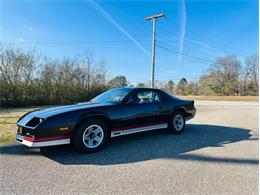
<point x="142" y="88"/>
<point x="139" y="88"/>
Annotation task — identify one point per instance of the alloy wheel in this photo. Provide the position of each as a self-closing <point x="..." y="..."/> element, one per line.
<point x="93" y="136"/>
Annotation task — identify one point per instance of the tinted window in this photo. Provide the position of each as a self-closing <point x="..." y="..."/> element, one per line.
<point x="147" y="97"/>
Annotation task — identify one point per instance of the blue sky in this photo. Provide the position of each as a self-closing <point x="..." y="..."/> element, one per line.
<point x="117" y="31"/>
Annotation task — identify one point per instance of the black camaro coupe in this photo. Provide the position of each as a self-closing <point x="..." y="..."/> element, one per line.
<point x="116" y="112"/>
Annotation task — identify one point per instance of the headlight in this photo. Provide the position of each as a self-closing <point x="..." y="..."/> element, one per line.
<point x="34" y="122"/>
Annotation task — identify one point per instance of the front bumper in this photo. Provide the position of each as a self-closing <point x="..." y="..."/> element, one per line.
<point x="50" y="141"/>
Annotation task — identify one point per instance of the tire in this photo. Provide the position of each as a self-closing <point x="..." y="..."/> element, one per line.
<point x="177" y="122"/>
<point x="90" y="136"/>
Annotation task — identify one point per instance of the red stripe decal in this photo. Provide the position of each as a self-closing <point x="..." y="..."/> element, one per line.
<point x="137" y="126"/>
<point x="46" y="138"/>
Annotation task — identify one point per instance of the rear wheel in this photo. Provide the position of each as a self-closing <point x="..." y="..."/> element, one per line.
<point x="90" y="136"/>
<point x="177" y="122"/>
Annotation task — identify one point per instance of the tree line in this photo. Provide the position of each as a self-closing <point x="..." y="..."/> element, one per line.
<point x="226" y="77"/>
<point x="28" y="79"/>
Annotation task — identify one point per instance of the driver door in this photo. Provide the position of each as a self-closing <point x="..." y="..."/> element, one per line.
<point x="143" y="112"/>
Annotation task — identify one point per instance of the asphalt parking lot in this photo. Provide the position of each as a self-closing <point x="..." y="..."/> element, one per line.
<point x="217" y="154"/>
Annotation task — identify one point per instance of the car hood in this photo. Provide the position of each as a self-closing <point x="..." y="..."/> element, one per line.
<point x="51" y="111"/>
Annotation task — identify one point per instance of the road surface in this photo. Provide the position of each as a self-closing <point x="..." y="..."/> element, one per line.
<point x="217" y="154"/>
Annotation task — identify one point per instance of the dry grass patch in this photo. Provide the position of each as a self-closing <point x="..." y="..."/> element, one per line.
<point x="8" y="118"/>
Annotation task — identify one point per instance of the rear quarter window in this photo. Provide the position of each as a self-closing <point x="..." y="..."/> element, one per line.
<point x="167" y="97"/>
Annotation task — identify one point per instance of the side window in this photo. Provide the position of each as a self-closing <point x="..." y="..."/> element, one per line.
<point x="148" y="97"/>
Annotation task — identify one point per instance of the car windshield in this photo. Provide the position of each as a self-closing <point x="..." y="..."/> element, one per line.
<point x="112" y="95"/>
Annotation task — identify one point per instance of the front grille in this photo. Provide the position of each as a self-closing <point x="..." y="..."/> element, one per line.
<point x="25" y="131"/>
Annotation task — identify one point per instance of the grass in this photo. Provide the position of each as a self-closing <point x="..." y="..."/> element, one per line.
<point x="8" y="118"/>
<point x="7" y="139"/>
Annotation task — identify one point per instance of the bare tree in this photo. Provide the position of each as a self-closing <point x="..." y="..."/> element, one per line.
<point x="118" y="81"/>
<point x="252" y="66"/>
<point x="223" y="76"/>
<point x="26" y="79"/>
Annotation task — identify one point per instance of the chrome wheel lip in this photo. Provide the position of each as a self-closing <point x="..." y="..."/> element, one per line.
<point x="93" y="136"/>
<point x="178" y="122"/>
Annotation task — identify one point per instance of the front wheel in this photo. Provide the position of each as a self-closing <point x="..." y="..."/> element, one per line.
<point x="90" y="136"/>
<point x="177" y="123"/>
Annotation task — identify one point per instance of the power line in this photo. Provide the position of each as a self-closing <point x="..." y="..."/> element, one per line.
<point x="186" y="55"/>
<point x="214" y="45"/>
<point x="221" y="44"/>
<point x="146" y="31"/>
<point x="170" y="46"/>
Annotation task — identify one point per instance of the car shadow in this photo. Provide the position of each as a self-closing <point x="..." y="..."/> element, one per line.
<point x="146" y="146"/>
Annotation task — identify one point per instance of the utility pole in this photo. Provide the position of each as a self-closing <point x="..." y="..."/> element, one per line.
<point x="154" y="17"/>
